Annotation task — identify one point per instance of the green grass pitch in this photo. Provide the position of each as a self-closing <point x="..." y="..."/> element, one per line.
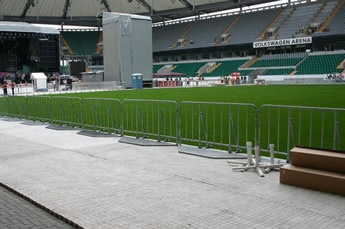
<point x="332" y="96"/>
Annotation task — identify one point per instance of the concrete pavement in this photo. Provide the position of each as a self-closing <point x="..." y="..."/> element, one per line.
<point x="17" y="212"/>
<point x="98" y="182"/>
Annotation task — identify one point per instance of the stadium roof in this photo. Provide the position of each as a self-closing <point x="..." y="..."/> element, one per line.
<point x="85" y="12"/>
<point x="26" y="28"/>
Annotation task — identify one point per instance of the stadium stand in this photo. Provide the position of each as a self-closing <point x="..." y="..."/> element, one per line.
<point x="303" y="20"/>
<point x="337" y="25"/>
<point x="157" y="67"/>
<point x="280" y="71"/>
<point x="322" y="63"/>
<point x="335" y="22"/>
<point x="250" y="26"/>
<point x="189" y="69"/>
<point x="225" y="68"/>
<point x="245" y="72"/>
<point x="220" y="45"/>
<point x="325" y="11"/>
<point x="201" y="36"/>
<point x="164" y="37"/>
<point x="235" y="29"/>
<point x="279" y="60"/>
<point x="244" y="28"/>
<point x="81" y="42"/>
<point x="276" y="64"/>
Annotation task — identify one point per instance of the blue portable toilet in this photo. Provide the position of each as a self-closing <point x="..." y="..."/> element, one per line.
<point x="137" y="81"/>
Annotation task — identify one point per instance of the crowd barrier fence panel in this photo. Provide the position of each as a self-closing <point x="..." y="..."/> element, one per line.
<point x="67" y="111"/>
<point x="104" y="115"/>
<point x="17" y="107"/>
<point x="4" y="106"/>
<point x="289" y="126"/>
<point x="153" y="119"/>
<point x="39" y="108"/>
<point x="225" y="126"/>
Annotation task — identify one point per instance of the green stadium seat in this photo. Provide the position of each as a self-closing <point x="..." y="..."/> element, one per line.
<point x="321" y="64"/>
<point x="226" y="68"/>
<point x="82" y="42"/>
<point x="189" y="69"/>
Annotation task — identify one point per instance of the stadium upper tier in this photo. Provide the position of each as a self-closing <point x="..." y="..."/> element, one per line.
<point x="318" y="19"/>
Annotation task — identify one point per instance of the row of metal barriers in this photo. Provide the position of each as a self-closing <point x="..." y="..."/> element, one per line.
<point x="223" y="126"/>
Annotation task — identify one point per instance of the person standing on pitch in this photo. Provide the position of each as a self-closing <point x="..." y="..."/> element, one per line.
<point x="12" y="84"/>
<point x="4" y="87"/>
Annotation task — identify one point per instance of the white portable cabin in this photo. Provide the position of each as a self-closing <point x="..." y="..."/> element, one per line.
<point x="39" y="81"/>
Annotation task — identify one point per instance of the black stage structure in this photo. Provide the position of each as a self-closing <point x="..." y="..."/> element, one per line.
<point x="26" y="48"/>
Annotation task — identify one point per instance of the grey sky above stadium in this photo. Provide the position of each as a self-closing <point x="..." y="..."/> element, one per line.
<point x="85" y="12"/>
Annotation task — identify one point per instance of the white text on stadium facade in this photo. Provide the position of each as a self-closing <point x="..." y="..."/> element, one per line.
<point x="283" y="42"/>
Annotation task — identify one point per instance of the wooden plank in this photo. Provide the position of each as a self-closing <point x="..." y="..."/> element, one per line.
<point x="318" y="159"/>
<point x="313" y="179"/>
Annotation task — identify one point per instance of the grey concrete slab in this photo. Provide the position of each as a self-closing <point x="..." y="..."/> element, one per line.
<point x="58" y="127"/>
<point x="34" y="123"/>
<point x="144" y="142"/>
<point x="11" y="120"/>
<point x="210" y="153"/>
<point x="95" y="134"/>
<point x="102" y="183"/>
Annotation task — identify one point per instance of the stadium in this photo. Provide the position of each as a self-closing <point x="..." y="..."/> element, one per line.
<point x="201" y="65"/>
<point x="285" y="44"/>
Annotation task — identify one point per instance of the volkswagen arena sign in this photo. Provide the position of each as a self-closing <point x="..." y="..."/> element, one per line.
<point x="283" y="42"/>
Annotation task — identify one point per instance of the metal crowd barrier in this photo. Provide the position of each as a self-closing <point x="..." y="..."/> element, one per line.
<point x="16" y="107"/>
<point x="225" y="126"/>
<point x="39" y="108"/>
<point x="155" y="119"/>
<point x="3" y="106"/>
<point x="102" y="115"/>
<point x="289" y="126"/>
<point x="67" y="111"/>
